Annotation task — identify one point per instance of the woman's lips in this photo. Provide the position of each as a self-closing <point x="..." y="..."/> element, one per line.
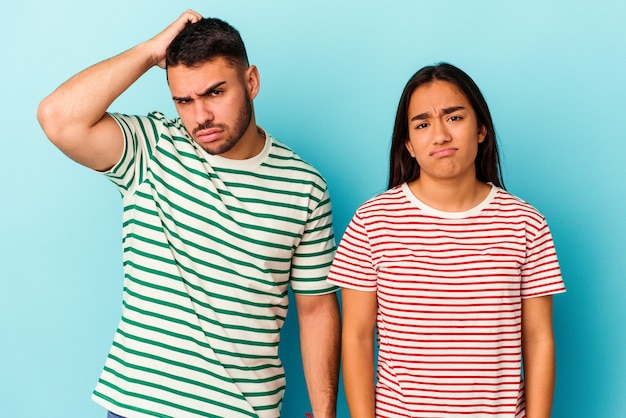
<point x="443" y="152"/>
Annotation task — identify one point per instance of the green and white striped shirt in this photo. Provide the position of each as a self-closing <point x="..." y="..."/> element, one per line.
<point x="210" y="247"/>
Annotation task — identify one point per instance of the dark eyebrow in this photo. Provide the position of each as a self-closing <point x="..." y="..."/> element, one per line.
<point x="204" y="93"/>
<point x="448" y="110"/>
<point x="445" y="111"/>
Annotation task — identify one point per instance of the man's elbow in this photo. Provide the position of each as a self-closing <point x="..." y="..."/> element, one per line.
<point x="50" y="121"/>
<point x="65" y="135"/>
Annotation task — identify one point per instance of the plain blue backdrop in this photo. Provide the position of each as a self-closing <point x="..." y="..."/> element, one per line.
<point x="332" y="72"/>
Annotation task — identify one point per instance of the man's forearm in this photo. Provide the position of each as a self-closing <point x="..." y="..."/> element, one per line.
<point x="320" y="341"/>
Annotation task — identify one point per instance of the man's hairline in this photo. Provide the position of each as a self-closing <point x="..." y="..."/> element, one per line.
<point x="236" y="63"/>
<point x="232" y="61"/>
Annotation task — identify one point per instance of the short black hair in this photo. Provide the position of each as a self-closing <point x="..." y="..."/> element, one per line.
<point x="205" y="40"/>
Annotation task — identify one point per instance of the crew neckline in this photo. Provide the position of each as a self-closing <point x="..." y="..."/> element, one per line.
<point x="429" y="210"/>
<point x="248" y="163"/>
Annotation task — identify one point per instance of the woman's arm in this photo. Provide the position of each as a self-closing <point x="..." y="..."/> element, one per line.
<point x="357" y="350"/>
<point x="538" y="355"/>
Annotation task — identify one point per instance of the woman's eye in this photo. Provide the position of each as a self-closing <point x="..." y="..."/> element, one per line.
<point x="455" y="118"/>
<point x="421" y="126"/>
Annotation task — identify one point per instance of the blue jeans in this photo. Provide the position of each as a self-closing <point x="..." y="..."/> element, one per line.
<point x="112" y="415"/>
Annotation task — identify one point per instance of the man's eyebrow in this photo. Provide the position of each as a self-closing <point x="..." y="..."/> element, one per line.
<point x="204" y="93"/>
<point x="211" y="88"/>
<point x="445" y="111"/>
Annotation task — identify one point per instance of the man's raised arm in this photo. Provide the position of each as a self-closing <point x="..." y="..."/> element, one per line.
<point x="74" y="116"/>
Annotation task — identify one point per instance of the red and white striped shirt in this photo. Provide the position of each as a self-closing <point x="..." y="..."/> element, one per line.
<point x="449" y="288"/>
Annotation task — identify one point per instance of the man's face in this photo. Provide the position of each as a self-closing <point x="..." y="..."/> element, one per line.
<point x="214" y="102"/>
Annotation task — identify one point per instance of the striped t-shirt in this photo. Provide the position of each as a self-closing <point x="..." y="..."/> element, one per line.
<point x="210" y="246"/>
<point x="449" y="288"/>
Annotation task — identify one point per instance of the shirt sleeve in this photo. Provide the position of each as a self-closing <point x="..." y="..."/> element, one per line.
<point x="541" y="274"/>
<point x="314" y="253"/>
<point x="353" y="266"/>
<point x="140" y="134"/>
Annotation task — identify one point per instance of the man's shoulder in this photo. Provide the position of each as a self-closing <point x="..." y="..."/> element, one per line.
<point x="156" y="119"/>
<point x="160" y="117"/>
<point x="282" y="156"/>
<point x="281" y="150"/>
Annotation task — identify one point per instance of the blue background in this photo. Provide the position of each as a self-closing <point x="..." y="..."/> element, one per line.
<point x="331" y="76"/>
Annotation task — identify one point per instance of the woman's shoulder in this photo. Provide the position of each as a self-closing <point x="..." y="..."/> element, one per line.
<point x="507" y="202"/>
<point x="386" y="200"/>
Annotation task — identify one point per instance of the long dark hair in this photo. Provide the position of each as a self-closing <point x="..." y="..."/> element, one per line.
<point x="403" y="168"/>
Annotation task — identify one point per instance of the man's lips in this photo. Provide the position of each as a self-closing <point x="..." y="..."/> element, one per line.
<point x="209" y="135"/>
<point x="443" y="152"/>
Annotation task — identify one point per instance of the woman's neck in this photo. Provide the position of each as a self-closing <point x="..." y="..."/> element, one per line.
<point x="450" y="195"/>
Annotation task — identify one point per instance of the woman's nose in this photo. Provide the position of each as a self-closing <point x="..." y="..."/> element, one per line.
<point x="441" y="134"/>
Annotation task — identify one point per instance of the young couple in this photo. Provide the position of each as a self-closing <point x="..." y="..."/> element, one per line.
<point x="450" y="273"/>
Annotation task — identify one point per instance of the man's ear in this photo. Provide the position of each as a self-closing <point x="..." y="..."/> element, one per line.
<point x="253" y="81"/>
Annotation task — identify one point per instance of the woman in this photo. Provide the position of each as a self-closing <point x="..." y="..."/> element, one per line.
<point x="454" y="273"/>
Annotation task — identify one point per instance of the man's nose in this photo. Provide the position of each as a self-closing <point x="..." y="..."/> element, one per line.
<point x="202" y="113"/>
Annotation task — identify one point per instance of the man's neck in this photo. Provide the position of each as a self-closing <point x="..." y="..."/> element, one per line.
<point x="250" y="144"/>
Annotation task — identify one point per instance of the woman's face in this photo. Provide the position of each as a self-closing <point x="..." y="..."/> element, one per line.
<point x="443" y="132"/>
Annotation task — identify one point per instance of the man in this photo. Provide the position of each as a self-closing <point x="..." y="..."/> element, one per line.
<point x="219" y="219"/>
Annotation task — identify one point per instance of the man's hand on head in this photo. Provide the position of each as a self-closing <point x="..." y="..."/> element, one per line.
<point x="160" y="42"/>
